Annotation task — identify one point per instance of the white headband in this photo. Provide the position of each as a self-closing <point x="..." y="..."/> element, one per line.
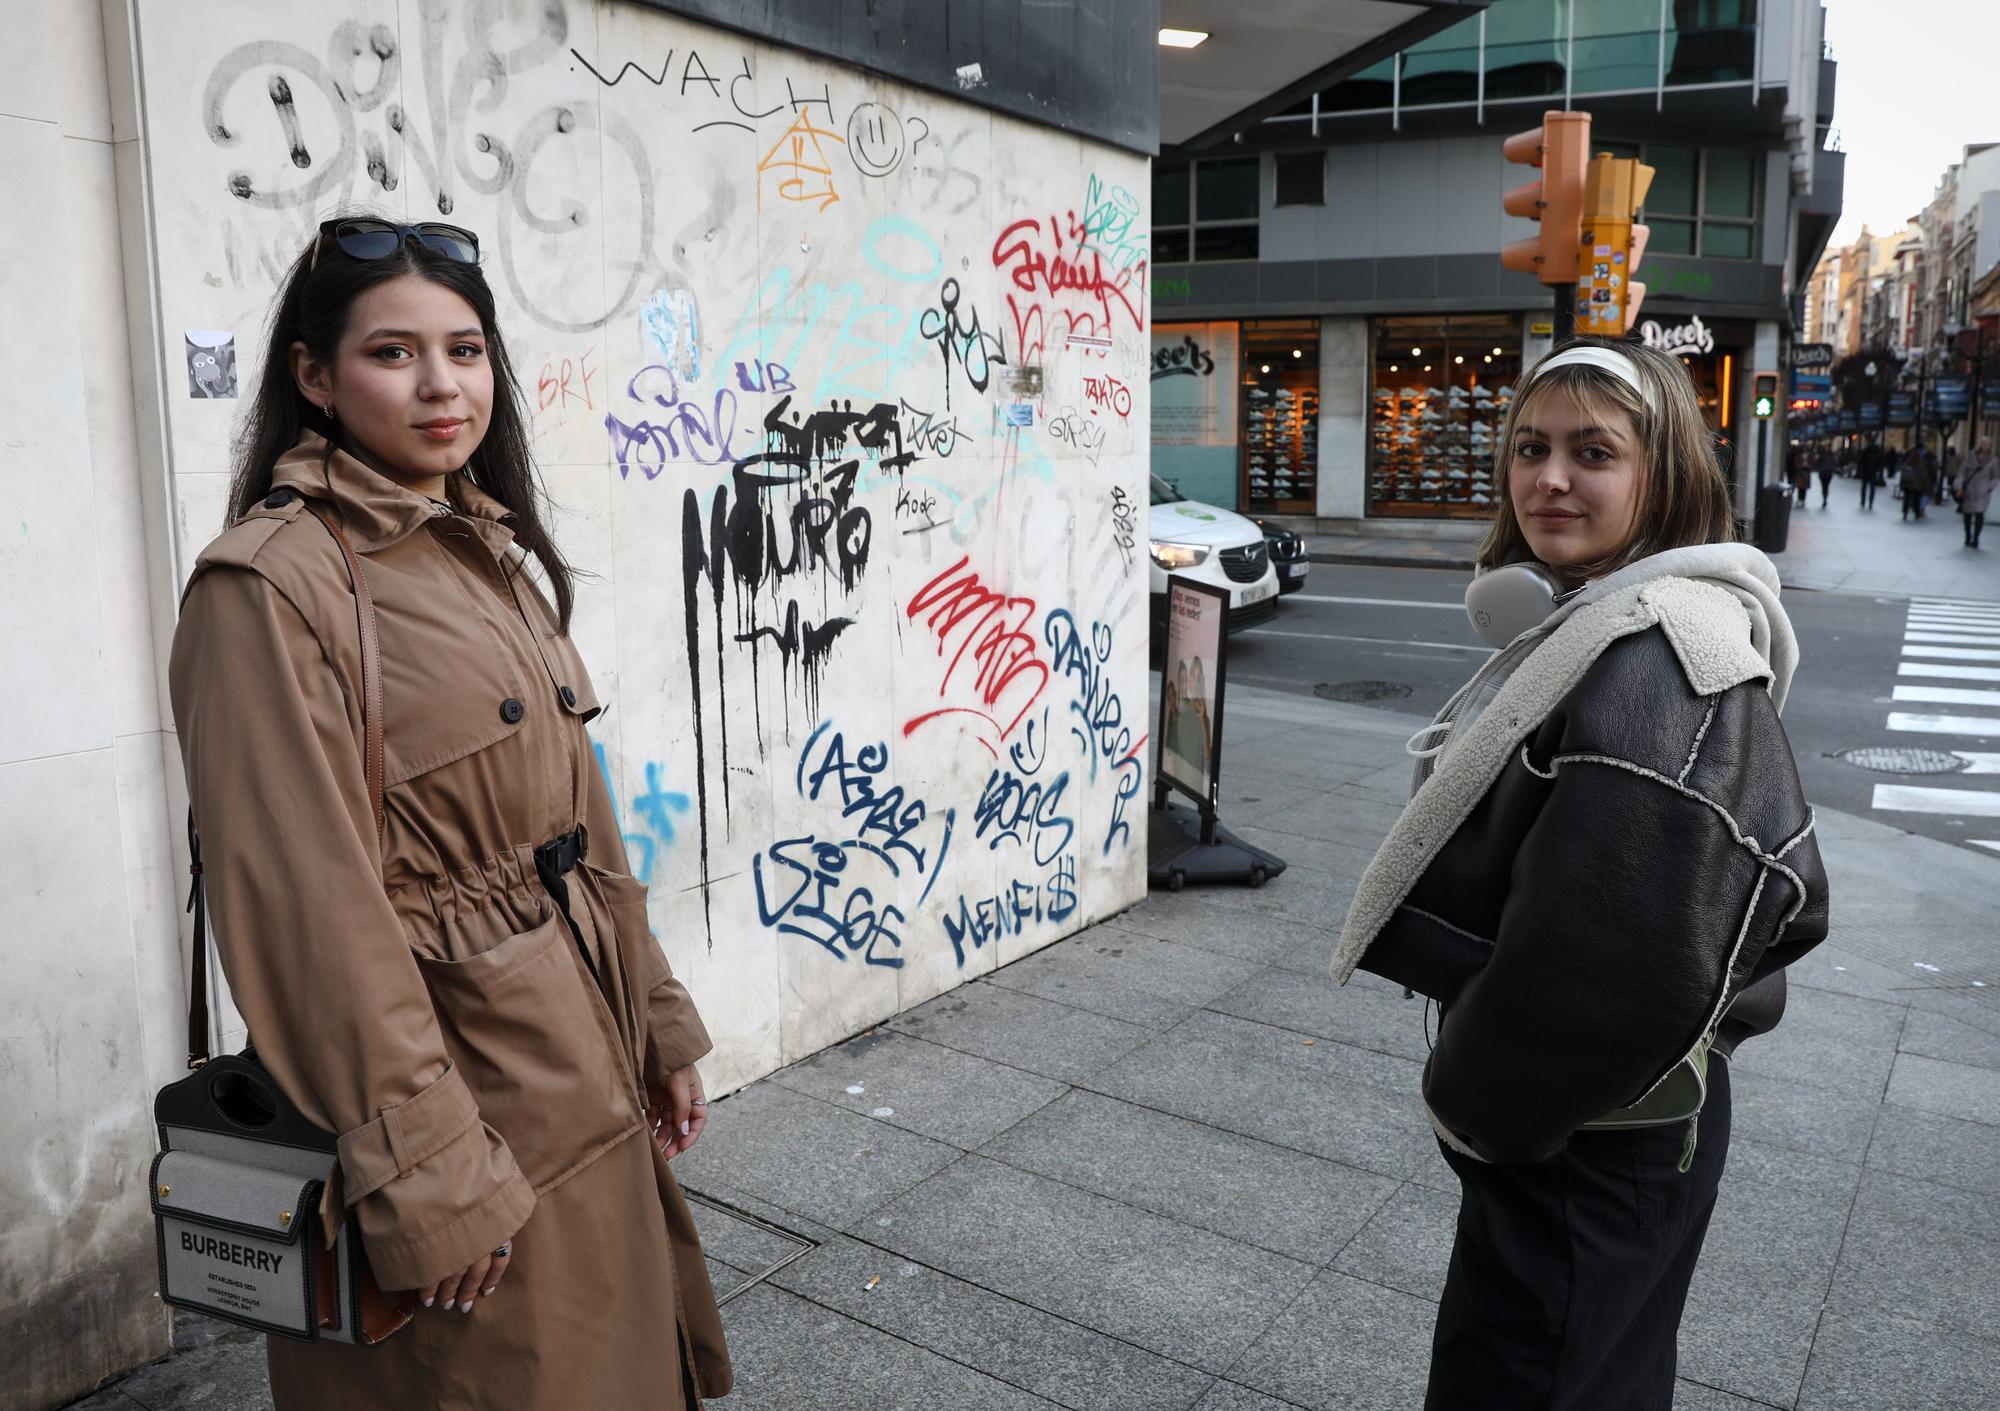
<point x="1605" y="360"/>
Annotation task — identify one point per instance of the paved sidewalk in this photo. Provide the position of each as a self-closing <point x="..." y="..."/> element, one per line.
<point x="1381" y="551"/>
<point x="1844" y="548"/>
<point x="1167" y="1166"/>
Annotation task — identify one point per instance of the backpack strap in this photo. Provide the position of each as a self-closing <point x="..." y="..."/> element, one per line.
<point x="371" y="764"/>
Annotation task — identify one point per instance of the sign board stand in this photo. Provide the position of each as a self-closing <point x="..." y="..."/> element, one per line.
<point x="1187" y="845"/>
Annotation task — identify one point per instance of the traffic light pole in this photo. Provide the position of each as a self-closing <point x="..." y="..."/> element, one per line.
<point x="1565" y="313"/>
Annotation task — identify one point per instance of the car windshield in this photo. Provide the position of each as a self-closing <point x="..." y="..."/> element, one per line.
<point x="1165" y="494"/>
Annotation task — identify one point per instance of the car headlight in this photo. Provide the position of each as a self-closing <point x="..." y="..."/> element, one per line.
<point x="1173" y="556"/>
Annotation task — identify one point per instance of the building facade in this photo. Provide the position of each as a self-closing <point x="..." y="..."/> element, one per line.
<point x="1338" y="264"/>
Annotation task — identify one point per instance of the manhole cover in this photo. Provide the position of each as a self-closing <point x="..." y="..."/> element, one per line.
<point x="1360" y="691"/>
<point x="1885" y="760"/>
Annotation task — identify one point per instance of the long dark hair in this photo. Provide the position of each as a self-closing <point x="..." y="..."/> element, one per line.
<point x="313" y="309"/>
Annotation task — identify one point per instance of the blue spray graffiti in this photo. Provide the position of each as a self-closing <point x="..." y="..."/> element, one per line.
<point x="654" y="810"/>
<point x="886" y="825"/>
<point x="1010" y="912"/>
<point x="672" y="324"/>
<point x="1099" y="711"/>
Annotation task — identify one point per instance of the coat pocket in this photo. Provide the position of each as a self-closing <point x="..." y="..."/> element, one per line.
<point x="639" y="961"/>
<point x="536" y="1048"/>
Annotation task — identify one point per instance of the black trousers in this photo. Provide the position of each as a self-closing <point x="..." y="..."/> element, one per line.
<point x="1567" y="1278"/>
<point x="1973" y="524"/>
<point x="1868" y="494"/>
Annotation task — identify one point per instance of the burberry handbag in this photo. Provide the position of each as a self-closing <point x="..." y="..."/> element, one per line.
<point x="236" y="1186"/>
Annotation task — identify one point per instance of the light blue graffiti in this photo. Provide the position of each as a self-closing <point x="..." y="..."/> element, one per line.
<point x="654" y="811"/>
<point x="672" y="324"/>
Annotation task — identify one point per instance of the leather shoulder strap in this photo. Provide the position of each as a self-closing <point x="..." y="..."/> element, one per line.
<point x="371" y="765"/>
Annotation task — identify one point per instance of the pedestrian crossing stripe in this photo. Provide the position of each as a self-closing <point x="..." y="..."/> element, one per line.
<point x="1950" y="670"/>
<point x="1981" y="604"/>
<point x="1952" y="624"/>
<point x="1945" y="695"/>
<point x="1977" y="763"/>
<point x="1977" y="727"/>
<point x="1983" y="843"/>
<point x="1963" y="639"/>
<point x="1915" y="798"/>
<point x="1919" y="649"/>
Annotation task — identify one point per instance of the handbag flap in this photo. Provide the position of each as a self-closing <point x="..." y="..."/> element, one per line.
<point x="274" y="1205"/>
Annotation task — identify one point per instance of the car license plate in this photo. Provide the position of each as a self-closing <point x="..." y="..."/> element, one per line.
<point x="1293" y="570"/>
<point x="1256" y="594"/>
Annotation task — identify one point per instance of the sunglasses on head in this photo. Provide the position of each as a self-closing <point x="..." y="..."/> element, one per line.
<point x="367" y="239"/>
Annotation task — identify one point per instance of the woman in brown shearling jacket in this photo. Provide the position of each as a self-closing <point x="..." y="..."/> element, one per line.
<point x="476" y="1008"/>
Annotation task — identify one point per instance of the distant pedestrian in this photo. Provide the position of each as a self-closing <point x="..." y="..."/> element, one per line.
<point x="1801" y="473"/>
<point x="1603" y="871"/>
<point x="1909" y="473"/>
<point x="1825" y="466"/>
<point x="1868" y="468"/>
<point x="1980" y="473"/>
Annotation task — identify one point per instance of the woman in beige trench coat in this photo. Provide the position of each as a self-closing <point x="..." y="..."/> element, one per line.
<point x="491" y="1030"/>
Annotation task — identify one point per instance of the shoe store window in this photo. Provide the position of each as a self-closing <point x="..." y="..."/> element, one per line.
<point x="1280" y="403"/>
<point x="1441" y="390"/>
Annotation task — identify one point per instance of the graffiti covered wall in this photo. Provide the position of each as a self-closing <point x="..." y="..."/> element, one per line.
<point x="841" y="390"/>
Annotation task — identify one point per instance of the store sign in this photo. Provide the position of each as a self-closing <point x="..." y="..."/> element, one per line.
<point x="1902" y="408"/>
<point x="1846" y="421"/>
<point x="1812" y="355"/>
<point x="1690" y="337"/>
<point x="1871" y="415"/>
<point x="1195" y="382"/>
<point x="1950" y="399"/>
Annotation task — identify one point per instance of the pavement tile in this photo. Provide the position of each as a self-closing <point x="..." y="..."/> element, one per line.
<point x="1407" y="1245"/>
<point x="1757" y="1292"/>
<point x="1876" y="1361"/>
<point x="1247" y="797"/>
<point x="1346" y="815"/>
<point x="110" y="1399"/>
<point x="1228" y="1396"/>
<point x="1190" y="919"/>
<point x="1306" y="898"/>
<point x="1887" y="1196"/>
<point x="1049" y="1356"/>
<point x="1919" y="1269"/>
<point x="1377" y="1018"/>
<point x="224" y="1375"/>
<point x="1830" y="966"/>
<point x="1693" y="1396"/>
<point x="1827" y="1176"/>
<point x="1947" y="1089"/>
<point x="1055" y="1040"/>
<point x="1935" y="1035"/>
<point x="1181" y="1292"/>
<point x="930" y="1090"/>
<point x="1944" y="1149"/>
<point x="789" y="1354"/>
<point x="1267" y="1083"/>
<point x="1346" y="1343"/>
<point x="806" y="1157"/>
<point x="1277" y="1199"/>
<point x="1829" y="1121"/>
<point x="1139" y="979"/>
<point x="1828" y="1040"/>
<point x="1322" y="768"/>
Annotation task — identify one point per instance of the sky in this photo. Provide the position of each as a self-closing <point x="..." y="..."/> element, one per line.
<point x="1918" y="81"/>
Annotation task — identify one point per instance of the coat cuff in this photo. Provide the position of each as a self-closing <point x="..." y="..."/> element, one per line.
<point x="675" y="1035"/>
<point x="434" y="1187"/>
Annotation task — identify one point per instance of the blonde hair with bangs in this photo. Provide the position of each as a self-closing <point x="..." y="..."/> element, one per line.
<point x="1683" y="495"/>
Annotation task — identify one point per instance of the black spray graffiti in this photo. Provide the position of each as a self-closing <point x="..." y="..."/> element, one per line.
<point x="788" y="517"/>
<point x="965" y="343"/>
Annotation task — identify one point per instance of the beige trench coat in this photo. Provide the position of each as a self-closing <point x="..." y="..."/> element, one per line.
<point x="426" y="1001"/>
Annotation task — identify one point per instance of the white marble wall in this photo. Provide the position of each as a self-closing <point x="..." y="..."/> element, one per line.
<point x="1345" y="364"/>
<point x="86" y="1021"/>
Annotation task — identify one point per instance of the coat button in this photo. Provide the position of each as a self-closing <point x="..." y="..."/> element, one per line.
<point x="512" y="710"/>
<point x="280" y="497"/>
<point x="568" y="696"/>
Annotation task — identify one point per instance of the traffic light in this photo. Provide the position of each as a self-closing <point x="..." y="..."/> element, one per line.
<point x="1561" y="148"/>
<point x="1610" y="245"/>
<point x="1764" y="394"/>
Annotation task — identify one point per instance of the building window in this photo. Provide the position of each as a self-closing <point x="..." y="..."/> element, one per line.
<point x="1280" y="458"/>
<point x="1442" y="387"/>
<point x="1301" y="178"/>
<point x="1206" y="210"/>
<point x="1703" y="202"/>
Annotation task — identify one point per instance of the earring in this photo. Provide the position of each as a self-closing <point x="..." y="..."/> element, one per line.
<point x="331" y="414"/>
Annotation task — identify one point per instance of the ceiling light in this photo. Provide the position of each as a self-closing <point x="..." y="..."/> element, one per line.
<point x="1394" y="368"/>
<point x="1263" y="367"/>
<point x="1459" y="359"/>
<point x="1427" y="367"/>
<point x="1298" y="352"/>
<point x="1489" y="357"/>
<point x="1416" y="352"/>
<point x="1496" y="352"/>
<point x="1182" y="38"/>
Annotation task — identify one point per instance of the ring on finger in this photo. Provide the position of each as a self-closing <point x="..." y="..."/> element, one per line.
<point x="697" y="1102"/>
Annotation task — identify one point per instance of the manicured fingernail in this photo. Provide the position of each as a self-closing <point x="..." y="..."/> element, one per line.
<point x="465" y="1307"/>
<point x="432" y="1299"/>
<point x="684" y="1129"/>
<point x="487" y="1293"/>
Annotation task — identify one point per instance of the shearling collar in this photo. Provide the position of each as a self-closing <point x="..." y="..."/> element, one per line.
<point x="375" y="510"/>
<point x="1708" y="600"/>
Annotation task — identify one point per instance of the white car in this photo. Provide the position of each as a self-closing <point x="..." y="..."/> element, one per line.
<point x="1211" y="545"/>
